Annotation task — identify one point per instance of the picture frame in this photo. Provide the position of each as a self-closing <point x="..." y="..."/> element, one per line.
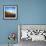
<point x="10" y="12"/>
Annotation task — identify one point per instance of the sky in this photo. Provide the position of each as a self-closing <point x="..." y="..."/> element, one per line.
<point x="11" y="9"/>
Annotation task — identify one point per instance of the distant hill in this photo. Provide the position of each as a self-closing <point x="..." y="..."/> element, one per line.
<point x="8" y="14"/>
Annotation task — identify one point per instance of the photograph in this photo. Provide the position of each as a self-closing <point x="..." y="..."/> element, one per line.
<point x="10" y="12"/>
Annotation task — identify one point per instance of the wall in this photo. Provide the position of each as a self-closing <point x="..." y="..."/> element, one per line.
<point x="29" y="12"/>
<point x="7" y="26"/>
<point x="33" y="11"/>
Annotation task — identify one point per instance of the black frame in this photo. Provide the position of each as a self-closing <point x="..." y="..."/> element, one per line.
<point x="6" y="18"/>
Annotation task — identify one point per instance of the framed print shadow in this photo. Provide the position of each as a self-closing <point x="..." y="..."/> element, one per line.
<point x="10" y="12"/>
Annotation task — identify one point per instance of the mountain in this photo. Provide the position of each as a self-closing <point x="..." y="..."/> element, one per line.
<point x="8" y="14"/>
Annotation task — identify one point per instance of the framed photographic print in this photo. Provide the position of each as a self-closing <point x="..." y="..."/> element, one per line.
<point x="10" y="12"/>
